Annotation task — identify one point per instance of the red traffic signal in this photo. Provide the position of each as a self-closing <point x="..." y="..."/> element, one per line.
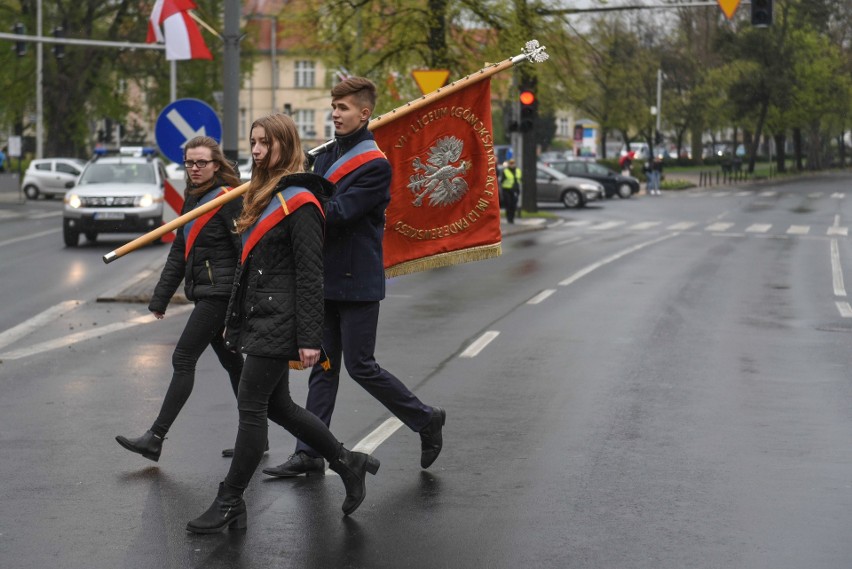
<point x="527" y="97"/>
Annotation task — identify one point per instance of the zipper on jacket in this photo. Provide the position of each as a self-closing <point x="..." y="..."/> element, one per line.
<point x="209" y="270"/>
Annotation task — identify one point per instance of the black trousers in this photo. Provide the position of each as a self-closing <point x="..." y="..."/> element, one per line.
<point x="204" y="328"/>
<point x="349" y="335"/>
<point x="510" y="203"/>
<point x="265" y="392"/>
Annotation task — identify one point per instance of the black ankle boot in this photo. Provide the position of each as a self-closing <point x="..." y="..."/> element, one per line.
<point x="352" y="468"/>
<point x="228" y="509"/>
<point x="148" y="445"/>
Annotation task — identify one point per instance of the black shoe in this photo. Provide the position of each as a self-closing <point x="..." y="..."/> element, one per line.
<point x="298" y="463"/>
<point x="352" y="468"/>
<point x="229" y="452"/>
<point x="227" y="510"/>
<point x="431" y="439"/>
<point x="148" y="445"/>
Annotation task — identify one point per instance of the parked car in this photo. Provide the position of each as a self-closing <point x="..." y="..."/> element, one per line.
<point x="554" y="186"/>
<point x="244" y="166"/>
<point x="114" y="194"/>
<point x="48" y="176"/>
<point x="614" y="183"/>
<point x="175" y="171"/>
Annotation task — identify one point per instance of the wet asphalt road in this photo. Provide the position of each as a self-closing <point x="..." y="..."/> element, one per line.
<point x="658" y="395"/>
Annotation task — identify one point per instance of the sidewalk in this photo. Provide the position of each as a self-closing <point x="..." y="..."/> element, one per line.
<point x="10" y="188"/>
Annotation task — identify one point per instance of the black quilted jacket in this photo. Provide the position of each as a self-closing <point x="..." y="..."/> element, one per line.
<point x="277" y="303"/>
<point x="208" y="272"/>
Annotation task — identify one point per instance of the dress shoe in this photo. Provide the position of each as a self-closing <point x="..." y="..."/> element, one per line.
<point x="431" y="438"/>
<point x="148" y="445"/>
<point x="229" y="452"/>
<point x="227" y="510"/>
<point x="352" y="468"/>
<point x="298" y="463"/>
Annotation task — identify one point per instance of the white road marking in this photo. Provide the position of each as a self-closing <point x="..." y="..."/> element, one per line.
<point x="479" y="344"/>
<point x="844" y="309"/>
<point x="766" y="194"/>
<point x="719" y="226"/>
<point x="682" y="226"/>
<point x="720" y="194"/>
<point x="585" y="271"/>
<point x="838" y="195"/>
<point x="645" y="225"/>
<point x="6" y="214"/>
<point x="758" y="228"/>
<point x="87" y="335"/>
<point x="44" y="215"/>
<point x="26" y="327"/>
<point x="371" y="442"/>
<point x="28" y="237"/>
<point x="607" y="225"/>
<point x="542" y="296"/>
<point x="815" y="195"/>
<point x="799" y="229"/>
<point x="743" y="194"/>
<point x="569" y="240"/>
<point x="834" y="230"/>
<point x="837" y="270"/>
<point x="578" y="223"/>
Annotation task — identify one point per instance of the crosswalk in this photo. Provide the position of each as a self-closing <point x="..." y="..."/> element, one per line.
<point x="11" y="214"/>
<point x="716" y="227"/>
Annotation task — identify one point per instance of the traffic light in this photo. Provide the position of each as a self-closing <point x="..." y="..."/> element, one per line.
<point x="20" y="46"/>
<point x="529" y="109"/>
<point x="761" y="13"/>
<point x="58" y="48"/>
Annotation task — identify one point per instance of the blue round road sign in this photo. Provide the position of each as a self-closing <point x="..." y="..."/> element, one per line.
<point x="182" y="120"/>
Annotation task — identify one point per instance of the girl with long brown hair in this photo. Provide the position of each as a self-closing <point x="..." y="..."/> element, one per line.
<point x="275" y="317"/>
<point x="204" y="255"/>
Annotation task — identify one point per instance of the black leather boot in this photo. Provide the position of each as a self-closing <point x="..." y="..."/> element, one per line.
<point x="227" y="510"/>
<point x="229" y="452"/>
<point x="299" y="463"/>
<point x="148" y="445"/>
<point x="352" y="468"/>
<point x="431" y="438"/>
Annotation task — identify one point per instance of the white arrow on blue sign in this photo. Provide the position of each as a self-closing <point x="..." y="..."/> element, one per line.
<point x="182" y="120"/>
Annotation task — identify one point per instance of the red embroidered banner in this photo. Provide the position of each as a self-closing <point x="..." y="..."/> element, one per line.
<point x="444" y="206"/>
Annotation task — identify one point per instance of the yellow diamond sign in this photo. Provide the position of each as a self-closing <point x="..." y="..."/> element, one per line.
<point x="729" y="7"/>
<point x="430" y="79"/>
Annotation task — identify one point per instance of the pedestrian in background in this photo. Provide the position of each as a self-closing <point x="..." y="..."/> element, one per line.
<point x="204" y="255"/>
<point x="276" y="316"/>
<point x="510" y="186"/>
<point x="653" y="170"/>
<point x="3" y="159"/>
<point x="355" y="281"/>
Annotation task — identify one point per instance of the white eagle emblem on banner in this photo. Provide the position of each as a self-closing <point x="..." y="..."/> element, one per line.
<point x="440" y="178"/>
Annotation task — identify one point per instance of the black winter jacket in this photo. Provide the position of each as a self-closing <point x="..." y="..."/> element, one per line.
<point x="208" y="272"/>
<point x="277" y="304"/>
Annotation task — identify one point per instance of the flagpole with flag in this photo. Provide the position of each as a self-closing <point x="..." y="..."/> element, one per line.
<point x="437" y="178"/>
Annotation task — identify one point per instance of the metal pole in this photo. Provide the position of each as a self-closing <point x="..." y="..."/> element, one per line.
<point x="231" y="79"/>
<point x="39" y="87"/>
<point x="172" y="81"/>
<point x="659" y="97"/>
<point x="274" y="57"/>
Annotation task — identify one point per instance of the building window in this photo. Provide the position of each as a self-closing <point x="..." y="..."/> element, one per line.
<point x="305" y="74"/>
<point x="329" y="126"/>
<point x="563" y="128"/>
<point x="304" y="119"/>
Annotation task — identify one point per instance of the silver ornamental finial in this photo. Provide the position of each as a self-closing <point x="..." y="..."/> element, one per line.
<point x="534" y="52"/>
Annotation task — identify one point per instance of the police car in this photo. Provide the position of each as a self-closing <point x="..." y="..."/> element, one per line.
<point x="120" y="193"/>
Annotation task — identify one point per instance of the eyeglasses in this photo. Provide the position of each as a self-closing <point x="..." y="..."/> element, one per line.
<point x="200" y="163"/>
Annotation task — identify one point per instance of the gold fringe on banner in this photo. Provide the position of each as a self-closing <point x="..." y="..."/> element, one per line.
<point x="445" y="260"/>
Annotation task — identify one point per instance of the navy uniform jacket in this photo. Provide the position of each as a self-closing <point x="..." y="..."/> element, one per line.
<point x="355" y="222"/>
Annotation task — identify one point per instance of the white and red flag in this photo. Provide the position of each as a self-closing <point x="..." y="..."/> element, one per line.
<point x="171" y="23"/>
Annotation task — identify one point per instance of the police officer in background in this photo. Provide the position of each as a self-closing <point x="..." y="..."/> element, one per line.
<point x="510" y="186"/>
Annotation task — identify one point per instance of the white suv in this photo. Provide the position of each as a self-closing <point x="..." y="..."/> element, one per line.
<point x="48" y="176"/>
<point x="114" y="194"/>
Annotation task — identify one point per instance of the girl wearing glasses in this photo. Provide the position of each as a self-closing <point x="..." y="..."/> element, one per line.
<point x="275" y="317"/>
<point x="204" y="255"/>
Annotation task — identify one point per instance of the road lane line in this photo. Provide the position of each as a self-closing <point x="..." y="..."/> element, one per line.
<point x="44" y="215"/>
<point x="26" y="327"/>
<point x="479" y="344"/>
<point x="569" y="240"/>
<point x="837" y="270"/>
<point x="844" y="308"/>
<point x="719" y="226"/>
<point x="382" y="433"/>
<point x="799" y="229"/>
<point x="87" y="335"/>
<point x="607" y="225"/>
<point x="542" y="296"/>
<point x="682" y="226"/>
<point x="644" y="225"/>
<point x="27" y="237"/>
<point x="594" y="266"/>
<point x="758" y="228"/>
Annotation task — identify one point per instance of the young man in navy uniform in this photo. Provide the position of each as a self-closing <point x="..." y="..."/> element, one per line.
<point x="355" y="280"/>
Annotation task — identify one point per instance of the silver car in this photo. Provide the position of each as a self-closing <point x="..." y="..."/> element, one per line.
<point x="115" y="194"/>
<point x="554" y="186"/>
<point x="48" y="176"/>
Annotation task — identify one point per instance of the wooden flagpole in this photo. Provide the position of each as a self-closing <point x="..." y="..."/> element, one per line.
<point x="533" y="52"/>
